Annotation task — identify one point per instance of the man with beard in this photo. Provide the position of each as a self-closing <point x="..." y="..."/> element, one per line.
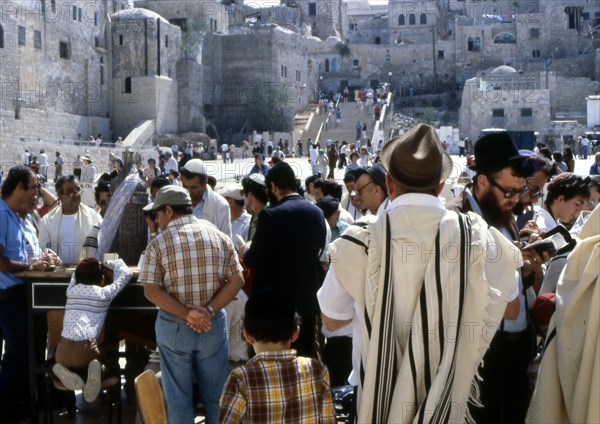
<point x="289" y="238"/>
<point x="495" y="191"/>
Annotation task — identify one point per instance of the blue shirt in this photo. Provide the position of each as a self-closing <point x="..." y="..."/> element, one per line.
<point x="13" y="241"/>
<point x="336" y="232"/>
<point x="197" y="210"/>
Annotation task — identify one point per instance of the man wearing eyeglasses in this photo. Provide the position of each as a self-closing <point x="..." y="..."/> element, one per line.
<point x="534" y="190"/>
<point x="64" y="229"/>
<point x="370" y="191"/>
<point x="497" y="187"/>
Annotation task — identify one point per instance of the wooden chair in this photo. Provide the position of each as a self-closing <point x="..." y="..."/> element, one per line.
<point x="150" y="399"/>
<point x="112" y="383"/>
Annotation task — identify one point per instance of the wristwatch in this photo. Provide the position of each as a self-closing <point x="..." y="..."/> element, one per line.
<point x="31" y="267"/>
<point x="210" y="309"/>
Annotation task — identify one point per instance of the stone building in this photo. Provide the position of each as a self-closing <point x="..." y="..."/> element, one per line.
<point x="257" y="61"/>
<point x="524" y="101"/>
<point x="55" y="77"/>
<point x="145" y="52"/>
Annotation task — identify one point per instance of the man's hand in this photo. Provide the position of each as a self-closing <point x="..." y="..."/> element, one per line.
<point x="51" y="257"/>
<point x="198" y="318"/>
<point x="533" y="261"/>
<point x="532" y="231"/>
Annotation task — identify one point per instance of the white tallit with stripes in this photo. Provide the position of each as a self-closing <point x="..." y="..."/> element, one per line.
<point x="430" y="312"/>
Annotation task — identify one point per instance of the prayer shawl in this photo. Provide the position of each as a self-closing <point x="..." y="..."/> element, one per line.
<point x="421" y="276"/>
<point x="568" y="384"/>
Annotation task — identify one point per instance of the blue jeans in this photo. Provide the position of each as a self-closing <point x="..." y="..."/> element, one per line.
<point x="183" y="354"/>
<point x="14" y="374"/>
<point x="584" y="151"/>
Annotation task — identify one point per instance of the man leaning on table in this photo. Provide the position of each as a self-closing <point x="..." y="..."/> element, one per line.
<point x="19" y="188"/>
<point x="190" y="271"/>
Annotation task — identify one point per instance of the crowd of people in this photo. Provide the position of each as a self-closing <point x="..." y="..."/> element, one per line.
<point x="271" y="291"/>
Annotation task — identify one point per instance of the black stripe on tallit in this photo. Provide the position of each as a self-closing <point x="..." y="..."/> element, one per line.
<point x="438" y="284"/>
<point x="381" y="400"/>
<point x="355" y="241"/>
<point x="443" y="408"/>
<point x="413" y="367"/>
<point x="549" y="340"/>
<point x="425" y="335"/>
<point x="368" y="324"/>
<point x="440" y="338"/>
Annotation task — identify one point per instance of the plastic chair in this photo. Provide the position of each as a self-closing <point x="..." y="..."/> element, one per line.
<point x="150" y="399"/>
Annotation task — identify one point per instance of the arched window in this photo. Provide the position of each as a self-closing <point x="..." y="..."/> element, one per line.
<point x="1" y="37"/>
<point x="412" y="20"/>
<point x="333" y="65"/>
<point x="470" y="44"/>
<point x="423" y="19"/>
<point x="401" y="20"/>
<point x="326" y="65"/>
<point x="128" y="85"/>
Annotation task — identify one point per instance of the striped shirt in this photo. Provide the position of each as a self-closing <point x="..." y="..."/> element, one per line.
<point x="278" y="387"/>
<point x="189" y="260"/>
<point x="86" y="307"/>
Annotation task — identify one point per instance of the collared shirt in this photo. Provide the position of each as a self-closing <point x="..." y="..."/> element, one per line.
<point x="197" y="210"/>
<point x="339" y="228"/>
<point x="240" y="226"/>
<point x="189" y="260"/>
<point x="278" y="387"/>
<point x="13" y="241"/>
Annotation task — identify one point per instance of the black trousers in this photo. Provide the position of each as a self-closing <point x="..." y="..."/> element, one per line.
<point x="504" y="391"/>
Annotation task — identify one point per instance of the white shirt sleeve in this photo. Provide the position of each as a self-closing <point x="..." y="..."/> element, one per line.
<point x="334" y="300"/>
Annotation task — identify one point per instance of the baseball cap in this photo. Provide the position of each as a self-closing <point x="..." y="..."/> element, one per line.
<point x="171" y="195"/>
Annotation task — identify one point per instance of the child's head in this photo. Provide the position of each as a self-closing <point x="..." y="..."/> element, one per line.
<point x="88" y="272"/>
<point x="270" y="317"/>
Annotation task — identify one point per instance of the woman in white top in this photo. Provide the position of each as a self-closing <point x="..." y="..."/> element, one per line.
<point x="366" y="158"/>
<point x="567" y="195"/>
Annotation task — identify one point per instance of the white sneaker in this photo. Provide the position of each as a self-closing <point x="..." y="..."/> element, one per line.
<point x="92" y="385"/>
<point x="69" y="379"/>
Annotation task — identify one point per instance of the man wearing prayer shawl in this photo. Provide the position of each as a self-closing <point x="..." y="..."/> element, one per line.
<point x="568" y="385"/>
<point x="413" y="283"/>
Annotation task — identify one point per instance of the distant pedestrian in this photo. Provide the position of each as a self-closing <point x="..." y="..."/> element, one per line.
<point x="358" y="130"/>
<point x="58" y="166"/>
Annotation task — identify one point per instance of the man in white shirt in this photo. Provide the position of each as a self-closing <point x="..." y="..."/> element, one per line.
<point x="65" y="228"/>
<point x="405" y="295"/>
<point x="240" y="219"/>
<point x="170" y="163"/>
<point x="43" y="160"/>
<point x="206" y="203"/>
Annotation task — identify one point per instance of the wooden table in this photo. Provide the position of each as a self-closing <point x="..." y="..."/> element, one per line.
<point x="47" y="291"/>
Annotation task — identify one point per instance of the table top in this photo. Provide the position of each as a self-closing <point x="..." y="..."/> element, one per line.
<point x="61" y="272"/>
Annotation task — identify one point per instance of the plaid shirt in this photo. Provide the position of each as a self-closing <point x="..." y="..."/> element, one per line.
<point x="189" y="260"/>
<point x="278" y="387"/>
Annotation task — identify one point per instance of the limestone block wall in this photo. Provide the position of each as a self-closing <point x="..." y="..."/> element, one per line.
<point x="569" y="94"/>
<point x="50" y="125"/>
<point x="190" y="77"/>
<point x="154" y="98"/>
<point x="136" y="44"/>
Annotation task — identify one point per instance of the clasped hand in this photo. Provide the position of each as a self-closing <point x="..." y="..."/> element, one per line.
<point x="198" y="318"/>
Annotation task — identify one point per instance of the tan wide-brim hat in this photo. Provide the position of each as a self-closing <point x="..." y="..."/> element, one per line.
<point x="87" y="157"/>
<point x="416" y="159"/>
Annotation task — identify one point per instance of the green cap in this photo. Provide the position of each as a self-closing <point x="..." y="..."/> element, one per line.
<point x="171" y="195"/>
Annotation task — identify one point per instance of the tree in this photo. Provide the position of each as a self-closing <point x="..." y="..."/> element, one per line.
<point x="268" y="108"/>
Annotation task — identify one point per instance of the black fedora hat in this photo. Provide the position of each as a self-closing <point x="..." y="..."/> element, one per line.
<point x="494" y="152"/>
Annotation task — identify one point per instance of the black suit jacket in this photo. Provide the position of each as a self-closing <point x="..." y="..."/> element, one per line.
<point x="285" y="251"/>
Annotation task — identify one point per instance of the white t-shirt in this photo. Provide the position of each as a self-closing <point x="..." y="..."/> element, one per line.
<point x="66" y="237"/>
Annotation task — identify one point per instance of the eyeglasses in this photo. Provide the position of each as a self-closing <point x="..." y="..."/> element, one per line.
<point x="358" y="190"/>
<point x="533" y="191"/>
<point x="508" y="193"/>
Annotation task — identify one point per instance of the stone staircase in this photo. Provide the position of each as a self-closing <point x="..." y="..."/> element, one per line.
<point x="346" y="131"/>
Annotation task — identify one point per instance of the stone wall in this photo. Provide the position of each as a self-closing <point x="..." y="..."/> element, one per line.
<point x="49" y="125"/>
<point x="34" y="76"/>
<point x="569" y="94"/>
<point x="154" y="98"/>
<point x="204" y="10"/>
